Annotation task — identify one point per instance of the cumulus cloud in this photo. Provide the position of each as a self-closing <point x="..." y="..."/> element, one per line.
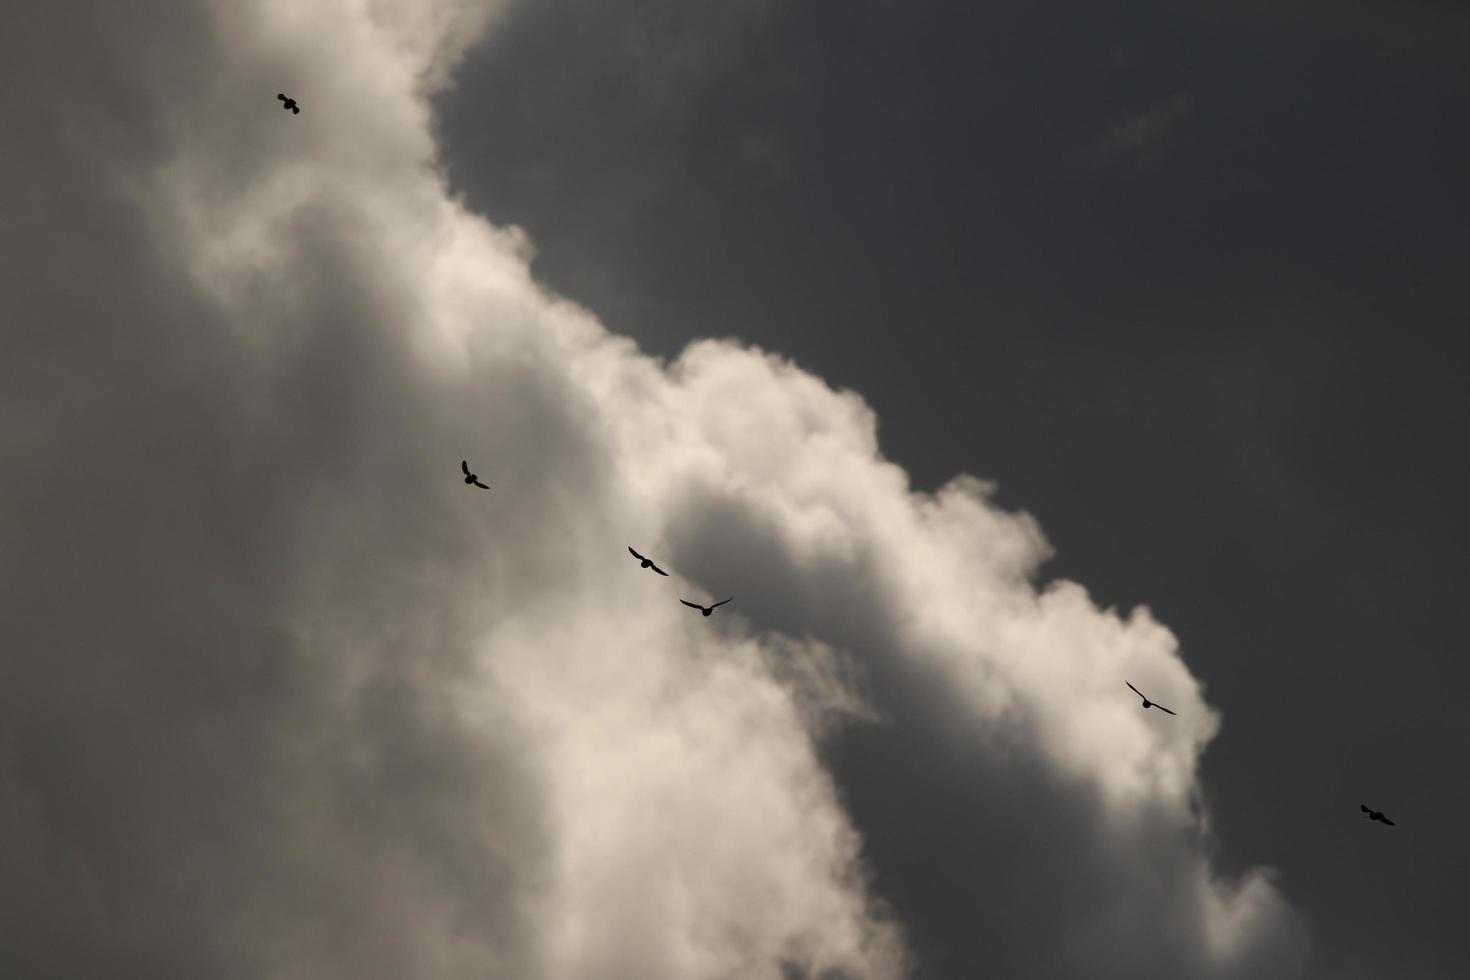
<point x="281" y="698"/>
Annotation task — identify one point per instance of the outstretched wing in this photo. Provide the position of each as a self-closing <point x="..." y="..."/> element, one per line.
<point x="1385" y="820"/>
<point x="464" y="464"/>
<point x="692" y="605"/>
<point x="1162" y="708"/>
<point x="721" y="602"/>
<point x="657" y="569"/>
<point x="635" y="554"/>
<point x="1364" y="807"/>
<point x="1136" y="690"/>
<point x="482" y="486"/>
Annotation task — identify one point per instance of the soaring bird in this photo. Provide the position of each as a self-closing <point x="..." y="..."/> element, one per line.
<point x="469" y="477"/>
<point x="1375" y="814"/>
<point x="705" y="609"/>
<point x="289" y="104"/>
<point x="1150" y="704"/>
<point x="647" y="562"/>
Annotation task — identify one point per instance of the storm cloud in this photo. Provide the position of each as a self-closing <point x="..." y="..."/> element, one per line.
<point x="282" y="697"/>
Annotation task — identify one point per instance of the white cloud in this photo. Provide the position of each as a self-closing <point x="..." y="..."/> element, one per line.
<point x="289" y="700"/>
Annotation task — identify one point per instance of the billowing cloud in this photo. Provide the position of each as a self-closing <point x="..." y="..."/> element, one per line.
<point x="282" y="697"/>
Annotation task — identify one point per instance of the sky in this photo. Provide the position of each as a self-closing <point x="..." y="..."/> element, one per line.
<point x="988" y="358"/>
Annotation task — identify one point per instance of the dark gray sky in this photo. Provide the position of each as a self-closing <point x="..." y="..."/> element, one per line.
<point x="281" y="696"/>
<point x="1187" y="280"/>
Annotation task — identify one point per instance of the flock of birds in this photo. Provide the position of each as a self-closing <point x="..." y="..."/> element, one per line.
<point x="473" y="479"/>
<point x="648" y="563"/>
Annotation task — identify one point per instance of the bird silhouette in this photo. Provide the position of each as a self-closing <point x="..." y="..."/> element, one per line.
<point x="289" y="104"/>
<point x="469" y="477"/>
<point x="646" y="562"/>
<point x="1147" y="703"/>
<point x="1375" y="814"/>
<point x="705" y="609"/>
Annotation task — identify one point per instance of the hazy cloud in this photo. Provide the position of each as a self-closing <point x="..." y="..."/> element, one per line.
<point x="1143" y="139"/>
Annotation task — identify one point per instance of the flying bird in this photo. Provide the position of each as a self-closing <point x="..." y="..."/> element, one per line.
<point x="1149" y="704"/>
<point x="469" y="477"/>
<point x="705" y="609"/>
<point x="647" y="562"/>
<point x="1375" y="814"/>
<point x="289" y="104"/>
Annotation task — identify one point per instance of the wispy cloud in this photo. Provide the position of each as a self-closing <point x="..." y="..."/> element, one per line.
<point x="1144" y="139"/>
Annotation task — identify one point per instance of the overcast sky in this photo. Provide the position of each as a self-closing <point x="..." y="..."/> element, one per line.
<point x="988" y="358"/>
